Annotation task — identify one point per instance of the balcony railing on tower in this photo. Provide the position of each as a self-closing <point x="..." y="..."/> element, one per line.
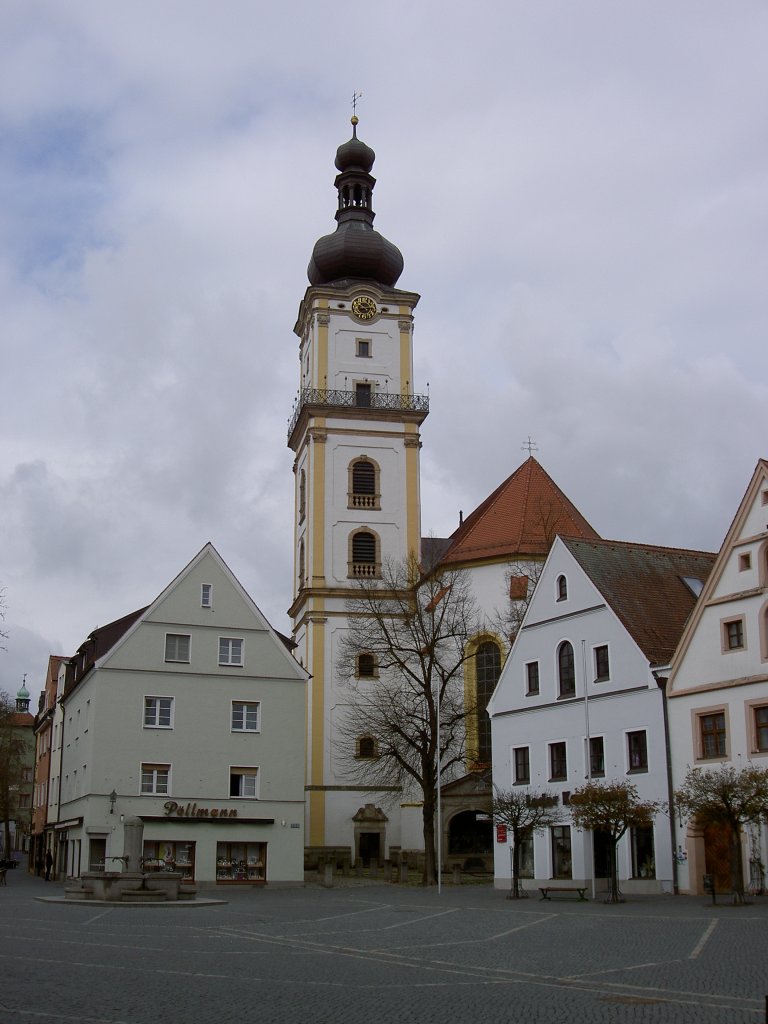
<point x="362" y="397"/>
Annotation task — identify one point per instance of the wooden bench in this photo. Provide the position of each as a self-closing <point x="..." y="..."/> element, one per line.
<point x="561" y="892"/>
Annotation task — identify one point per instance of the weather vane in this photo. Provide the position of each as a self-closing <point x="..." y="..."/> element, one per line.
<point x="355" y="97"/>
<point x="529" y="446"/>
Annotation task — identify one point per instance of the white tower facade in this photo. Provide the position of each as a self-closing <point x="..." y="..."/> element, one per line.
<point x="355" y="435"/>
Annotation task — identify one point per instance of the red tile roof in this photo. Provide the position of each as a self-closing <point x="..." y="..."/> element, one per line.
<point x="521" y="517"/>
<point x="645" y="586"/>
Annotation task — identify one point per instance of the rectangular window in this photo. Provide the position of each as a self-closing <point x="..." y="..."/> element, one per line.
<point x="155" y="779"/>
<point x="602" y="666"/>
<point x="243" y="782"/>
<point x="158" y="712"/>
<point x="745" y="561"/>
<point x="643" y="853"/>
<point x="733" y="635"/>
<point x="637" y="750"/>
<point x="561" y="851"/>
<point x="532" y="678"/>
<point x="168" y="855"/>
<point x="558" y="764"/>
<point x="526" y="858"/>
<point x="245" y="716"/>
<point x="712" y="731"/>
<point x="761" y="729"/>
<point x="363" y="347"/>
<point x="522" y="765"/>
<point x="206" y="595"/>
<point x="596" y="756"/>
<point x="230" y="651"/>
<point x="177" y="647"/>
<point x="241" y="862"/>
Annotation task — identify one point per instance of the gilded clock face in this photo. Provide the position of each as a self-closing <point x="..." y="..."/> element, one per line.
<point x="364" y="307"/>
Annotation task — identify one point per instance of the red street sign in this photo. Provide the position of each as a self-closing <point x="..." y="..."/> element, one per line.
<point x="501" y="833"/>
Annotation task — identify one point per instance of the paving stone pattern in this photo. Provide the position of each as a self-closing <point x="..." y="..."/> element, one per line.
<point x="383" y="953"/>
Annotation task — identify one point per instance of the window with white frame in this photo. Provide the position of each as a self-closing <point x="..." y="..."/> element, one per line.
<point x="531" y="678"/>
<point x="637" y="751"/>
<point x="206" y="595"/>
<point x="230" y="650"/>
<point x="246" y="716"/>
<point x="244" y="782"/>
<point x="158" y="712"/>
<point x="522" y="766"/>
<point x="602" y="664"/>
<point x="177" y="647"/>
<point x="561" y="589"/>
<point x="156" y="779"/>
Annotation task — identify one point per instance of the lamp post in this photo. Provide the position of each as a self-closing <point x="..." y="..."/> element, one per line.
<point x="112" y="799"/>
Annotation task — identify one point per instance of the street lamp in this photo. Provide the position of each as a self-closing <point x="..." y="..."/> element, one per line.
<point x="112" y="798"/>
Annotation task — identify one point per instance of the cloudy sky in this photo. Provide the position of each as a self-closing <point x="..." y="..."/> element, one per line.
<point x="579" y="191"/>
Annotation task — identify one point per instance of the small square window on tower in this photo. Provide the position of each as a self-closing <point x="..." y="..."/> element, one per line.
<point x="363" y="348"/>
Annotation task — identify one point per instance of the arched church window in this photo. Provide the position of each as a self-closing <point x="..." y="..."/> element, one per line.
<point x="487" y="672"/>
<point x="363" y="484"/>
<point x="364" y="554"/>
<point x="562" y="588"/>
<point x="301" y="563"/>
<point x="566" y="673"/>
<point x="302" y="495"/>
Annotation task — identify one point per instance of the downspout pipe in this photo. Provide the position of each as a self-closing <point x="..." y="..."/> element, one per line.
<point x="661" y="682"/>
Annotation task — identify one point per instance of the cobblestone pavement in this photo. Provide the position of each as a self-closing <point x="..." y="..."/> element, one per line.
<point x="382" y="952"/>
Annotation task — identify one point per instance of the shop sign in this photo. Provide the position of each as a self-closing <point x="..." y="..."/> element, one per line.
<point x="501" y="833"/>
<point x="193" y="811"/>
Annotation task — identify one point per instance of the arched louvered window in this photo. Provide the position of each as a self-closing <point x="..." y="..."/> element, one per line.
<point x="364" y="554"/>
<point x="302" y="495"/>
<point x="487" y="672"/>
<point x="302" y="566"/>
<point x="562" y="588"/>
<point x="363" y="484"/>
<point x="566" y="674"/>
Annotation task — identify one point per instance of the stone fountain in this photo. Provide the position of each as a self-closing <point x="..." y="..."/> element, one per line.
<point x="132" y="884"/>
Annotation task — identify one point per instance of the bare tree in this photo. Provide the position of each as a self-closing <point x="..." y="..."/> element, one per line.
<point x="524" y="812"/>
<point x="728" y="797"/>
<point x="403" y="656"/>
<point x="14" y="751"/>
<point x="611" y="808"/>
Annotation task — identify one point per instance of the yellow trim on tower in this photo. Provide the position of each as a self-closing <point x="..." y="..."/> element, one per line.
<point x="412" y="510"/>
<point x="322" y="346"/>
<point x="406" y="384"/>
<point x="318" y="506"/>
<point x="317" y="799"/>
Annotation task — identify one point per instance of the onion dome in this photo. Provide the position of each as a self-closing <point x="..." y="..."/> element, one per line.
<point x="22" y="696"/>
<point x="355" y="250"/>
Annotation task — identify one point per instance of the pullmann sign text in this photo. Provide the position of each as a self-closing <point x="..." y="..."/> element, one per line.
<point x="193" y="811"/>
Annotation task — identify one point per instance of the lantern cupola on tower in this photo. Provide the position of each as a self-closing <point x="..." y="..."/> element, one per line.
<point x="355" y="251"/>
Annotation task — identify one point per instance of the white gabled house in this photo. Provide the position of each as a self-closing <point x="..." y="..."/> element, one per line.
<point x="718" y="686"/>
<point x="189" y="714"/>
<point x="581" y="696"/>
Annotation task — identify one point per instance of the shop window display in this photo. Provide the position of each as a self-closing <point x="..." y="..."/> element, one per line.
<point x="165" y="855"/>
<point x="241" y="862"/>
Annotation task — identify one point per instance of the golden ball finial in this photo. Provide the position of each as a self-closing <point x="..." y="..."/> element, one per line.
<point x="355" y="119"/>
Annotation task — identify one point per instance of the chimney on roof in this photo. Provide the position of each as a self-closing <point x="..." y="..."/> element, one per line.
<point x="461" y="517"/>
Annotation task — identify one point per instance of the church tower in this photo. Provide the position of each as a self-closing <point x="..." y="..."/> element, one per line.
<point x="355" y="435"/>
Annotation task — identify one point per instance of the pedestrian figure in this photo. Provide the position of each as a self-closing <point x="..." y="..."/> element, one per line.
<point x="48" y="865"/>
